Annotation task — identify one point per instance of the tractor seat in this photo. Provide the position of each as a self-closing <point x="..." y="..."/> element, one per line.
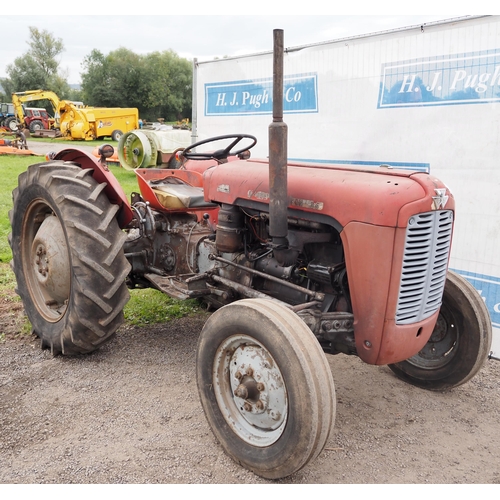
<point x="174" y="193"/>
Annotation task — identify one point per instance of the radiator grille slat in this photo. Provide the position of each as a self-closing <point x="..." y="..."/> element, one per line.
<point x="425" y="262"/>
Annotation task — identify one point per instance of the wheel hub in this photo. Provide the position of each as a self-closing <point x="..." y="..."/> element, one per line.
<point x="439" y="350"/>
<point x="50" y="267"/>
<point x="250" y="388"/>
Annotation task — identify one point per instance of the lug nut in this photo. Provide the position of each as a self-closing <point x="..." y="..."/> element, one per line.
<point x="260" y="386"/>
<point x="247" y="407"/>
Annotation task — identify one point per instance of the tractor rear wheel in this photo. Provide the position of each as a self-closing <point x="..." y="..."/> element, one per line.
<point x="35" y="126"/>
<point x="11" y="123"/>
<point x="459" y="344"/>
<point x="265" y="386"/>
<point x="68" y="257"/>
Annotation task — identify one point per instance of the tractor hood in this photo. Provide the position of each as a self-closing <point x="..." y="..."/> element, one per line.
<point x="374" y="195"/>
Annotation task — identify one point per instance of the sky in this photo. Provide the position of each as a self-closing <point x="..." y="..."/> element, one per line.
<point x="203" y="33"/>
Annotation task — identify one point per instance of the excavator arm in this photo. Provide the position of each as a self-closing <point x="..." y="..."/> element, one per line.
<point x="18" y="98"/>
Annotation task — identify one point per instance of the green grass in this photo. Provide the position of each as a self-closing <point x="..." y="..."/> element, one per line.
<point x="146" y="307"/>
<point x="126" y="178"/>
<point x="149" y="306"/>
<point x="10" y="168"/>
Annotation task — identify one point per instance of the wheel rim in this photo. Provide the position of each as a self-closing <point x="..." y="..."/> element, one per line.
<point x="250" y="390"/>
<point x="442" y="346"/>
<point x="46" y="261"/>
<point x="13" y="125"/>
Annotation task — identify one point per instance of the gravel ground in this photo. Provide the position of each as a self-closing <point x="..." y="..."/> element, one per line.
<point x="130" y="413"/>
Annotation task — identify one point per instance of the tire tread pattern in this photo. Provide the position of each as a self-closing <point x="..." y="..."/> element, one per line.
<point x="95" y="245"/>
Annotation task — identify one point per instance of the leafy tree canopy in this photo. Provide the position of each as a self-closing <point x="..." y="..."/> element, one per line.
<point x="38" y="68"/>
<point x="159" y="84"/>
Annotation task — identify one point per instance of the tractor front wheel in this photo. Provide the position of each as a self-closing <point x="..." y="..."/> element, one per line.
<point x="459" y="344"/>
<point x="68" y="257"/>
<point x="265" y="386"/>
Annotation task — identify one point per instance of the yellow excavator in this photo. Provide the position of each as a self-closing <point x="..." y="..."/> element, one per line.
<point x="75" y="121"/>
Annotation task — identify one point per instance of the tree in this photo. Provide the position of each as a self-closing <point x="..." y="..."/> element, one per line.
<point x="170" y="89"/>
<point x="95" y="83"/>
<point x="38" y="68"/>
<point x="158" y="84"/>
<point x="113" y="80"/>
<point x="44" y="50"/>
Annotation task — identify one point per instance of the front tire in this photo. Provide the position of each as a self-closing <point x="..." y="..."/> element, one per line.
<point x="265" y="386"/>
<point x="68" y="257"/>
<point x="459" y="344"/>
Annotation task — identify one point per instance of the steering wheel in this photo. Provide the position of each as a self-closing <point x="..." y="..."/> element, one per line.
<point x="220" y="154"/>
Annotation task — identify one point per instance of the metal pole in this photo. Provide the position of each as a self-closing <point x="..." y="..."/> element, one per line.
<point x="194" y="111"/>
<point x="278" y="154"/>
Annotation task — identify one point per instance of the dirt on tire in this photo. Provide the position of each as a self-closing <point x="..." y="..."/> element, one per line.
<point x="130" y="413"/>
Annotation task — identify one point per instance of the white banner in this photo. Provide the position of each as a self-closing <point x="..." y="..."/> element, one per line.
<point x="426" y="99"/>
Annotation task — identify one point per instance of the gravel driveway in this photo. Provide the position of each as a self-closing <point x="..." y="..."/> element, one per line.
<point x="129" y="413"/>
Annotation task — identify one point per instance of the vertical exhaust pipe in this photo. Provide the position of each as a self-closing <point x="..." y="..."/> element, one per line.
<point x="278" y="156"/>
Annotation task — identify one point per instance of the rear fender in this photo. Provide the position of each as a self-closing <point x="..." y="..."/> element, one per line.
<point x="113" y="189"/>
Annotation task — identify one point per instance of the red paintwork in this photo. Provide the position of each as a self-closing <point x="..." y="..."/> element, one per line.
<point x="192" y="178"/>
<point x="372" y="195"/>
<point x="113" y="190"/>
<point x="374" y="258"/>
<point x="372" y="205"/>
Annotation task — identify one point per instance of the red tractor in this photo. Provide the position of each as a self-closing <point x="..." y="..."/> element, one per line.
<point x="36" y="119"/>
<point x="297" y="260"/>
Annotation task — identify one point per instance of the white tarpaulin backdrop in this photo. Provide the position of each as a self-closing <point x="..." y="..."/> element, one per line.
<point x="425" y="98"/>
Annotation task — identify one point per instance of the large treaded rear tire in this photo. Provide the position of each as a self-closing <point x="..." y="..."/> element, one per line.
<point x="11" y="123"/>
<point x="68" y="257"/>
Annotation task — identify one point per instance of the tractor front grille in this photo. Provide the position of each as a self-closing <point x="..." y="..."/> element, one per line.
<point x="425" y="263"/>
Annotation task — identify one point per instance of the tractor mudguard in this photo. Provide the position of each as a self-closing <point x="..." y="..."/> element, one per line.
<point x="113" y="190"/>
